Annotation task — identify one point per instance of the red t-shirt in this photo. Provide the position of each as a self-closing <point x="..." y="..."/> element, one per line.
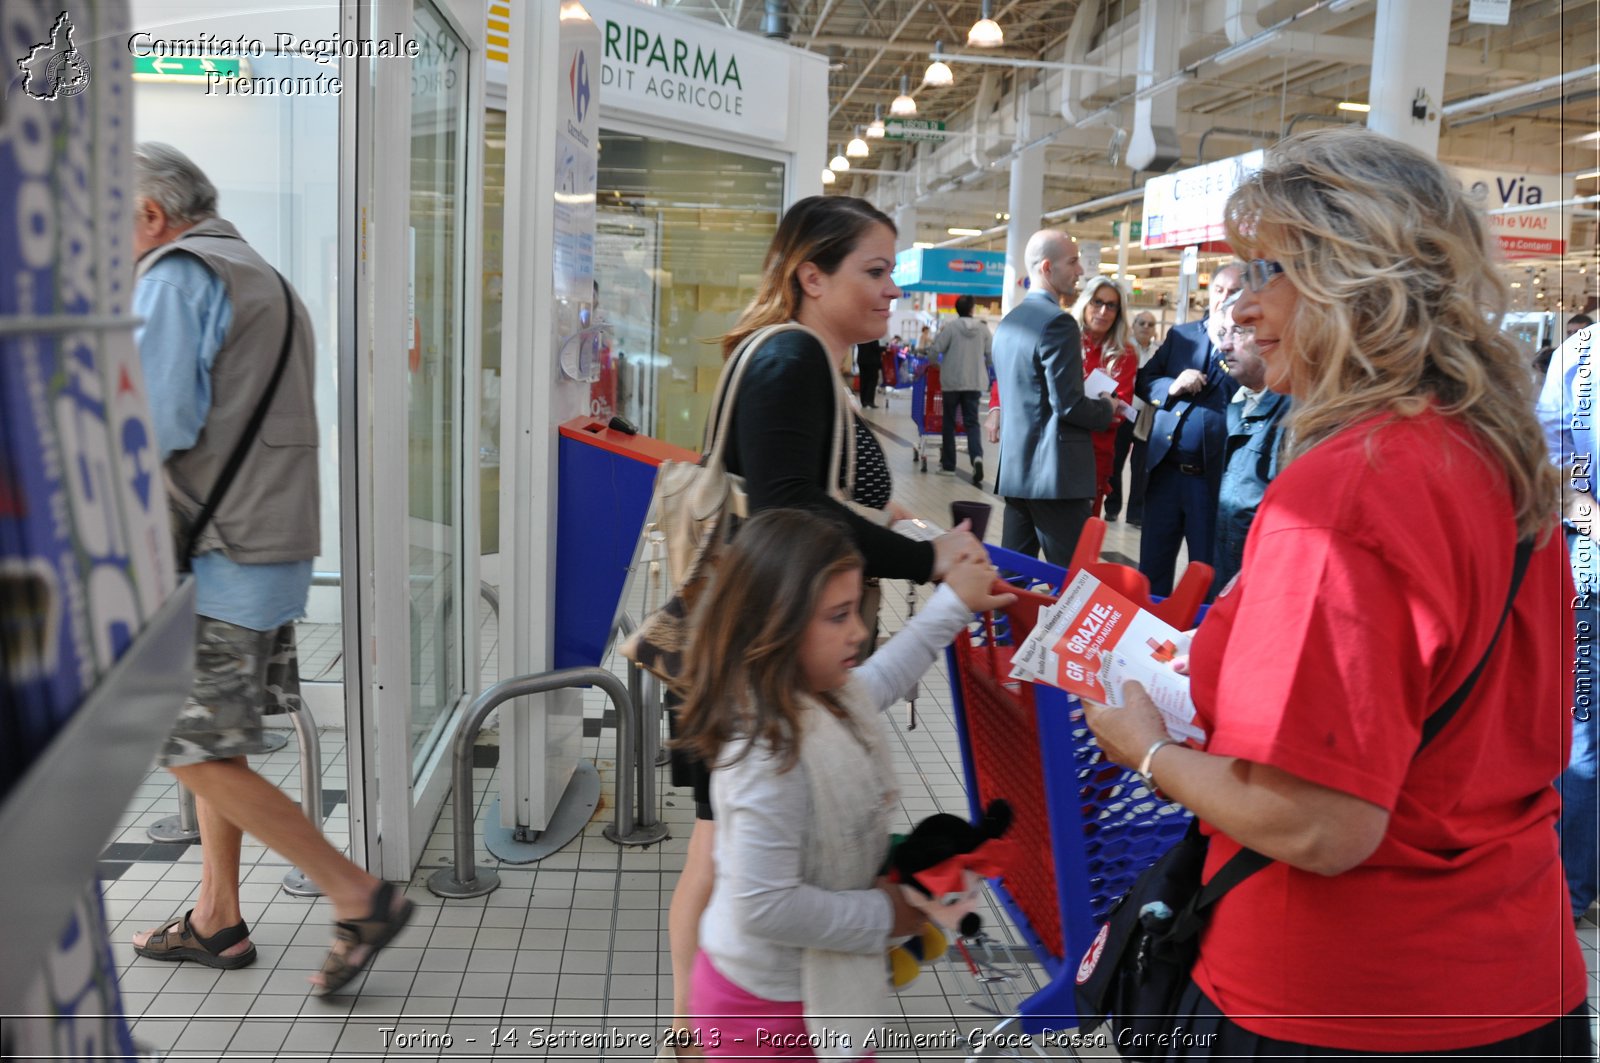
<point x="1373" y="578"/>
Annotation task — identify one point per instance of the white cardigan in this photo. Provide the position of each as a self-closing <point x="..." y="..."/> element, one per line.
<point x="762" y="913"/>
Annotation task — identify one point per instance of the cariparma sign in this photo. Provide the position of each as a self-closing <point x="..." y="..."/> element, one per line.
<point x="686" y="70"/>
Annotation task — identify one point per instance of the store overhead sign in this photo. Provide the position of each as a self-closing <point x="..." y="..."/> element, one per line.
<point x="689" y="71"/>
<point x="1519" y="208"/>
<point x="1186" y="207"/>
<point x="954" y="271"/>
<point x="913" y="129"/>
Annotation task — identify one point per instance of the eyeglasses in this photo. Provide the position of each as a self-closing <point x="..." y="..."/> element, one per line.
<point x="1105" y="305"/>
<point x="1258" y="273"/>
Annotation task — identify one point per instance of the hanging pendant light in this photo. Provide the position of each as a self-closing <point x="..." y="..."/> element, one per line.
<point x="857" y="148"/>
<point x="986" y="32"/>
<point x="875" y="127"/>
<point x="839" y="164"/>
<point x="903" y="106"/>
<point x="938" y="74"/>
<point x="828" y="176"/>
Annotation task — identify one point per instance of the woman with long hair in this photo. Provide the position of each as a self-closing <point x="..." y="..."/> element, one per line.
<point x="1102" y="315"/>
<point x="827" y="270"/>
<point x="1415" y="889"/>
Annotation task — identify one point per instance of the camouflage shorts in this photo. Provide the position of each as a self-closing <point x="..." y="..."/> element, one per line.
<point x="240" y="675"/>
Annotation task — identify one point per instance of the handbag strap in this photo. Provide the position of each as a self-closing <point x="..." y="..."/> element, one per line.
<point x="247" y="438"/>
<point x="719" y="424"/>
<point x="1247" y="862"/>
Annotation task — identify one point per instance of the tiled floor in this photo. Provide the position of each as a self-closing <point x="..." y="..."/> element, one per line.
<point x="573" y="947"/>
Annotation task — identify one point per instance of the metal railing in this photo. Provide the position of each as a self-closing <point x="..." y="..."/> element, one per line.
<point x="638" y="739"/>
<point x="466" y="879"/>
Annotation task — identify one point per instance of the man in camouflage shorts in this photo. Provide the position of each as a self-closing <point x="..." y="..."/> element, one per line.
<point x="240" y="675"/>
<point x="223" y="337"/>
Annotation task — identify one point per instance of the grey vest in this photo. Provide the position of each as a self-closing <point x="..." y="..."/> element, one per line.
<point x="270" y="512"/>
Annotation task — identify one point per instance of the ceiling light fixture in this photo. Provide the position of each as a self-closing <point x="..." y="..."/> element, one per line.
<point x="986" y="32"/>
<point x="1352" y="105"/>
<point x="828" y="176"/>
<point x="839" y="164"/>
<point x="857" y="148"/>
<point x="1591" y="175"/>
<point x="904" y="106"/>
<point x="956" y="231"/>
<point x="875" y="127"/>
<point x="938" y="74"/>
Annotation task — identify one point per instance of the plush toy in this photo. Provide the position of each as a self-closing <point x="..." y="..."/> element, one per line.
<point x="941" y="865"/>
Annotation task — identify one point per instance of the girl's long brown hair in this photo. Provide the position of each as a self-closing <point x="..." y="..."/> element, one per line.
<point x="822" y="230"/>
<point x="743" y="661"/>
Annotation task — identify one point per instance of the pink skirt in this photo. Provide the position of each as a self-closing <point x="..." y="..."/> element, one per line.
<point x="730" y="1023"/>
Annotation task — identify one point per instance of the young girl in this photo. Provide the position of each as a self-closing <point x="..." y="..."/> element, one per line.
<point x="792" y="944"/>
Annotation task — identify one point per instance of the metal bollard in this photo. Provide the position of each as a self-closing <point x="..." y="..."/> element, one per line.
<point x="184" y="827"/>
<point x="635" y="821"/>
<point x="465" y="879"/>
<point x="295" y="883"/>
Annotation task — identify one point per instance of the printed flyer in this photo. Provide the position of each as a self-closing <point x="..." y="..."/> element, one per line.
<point x="1093" y="640"/>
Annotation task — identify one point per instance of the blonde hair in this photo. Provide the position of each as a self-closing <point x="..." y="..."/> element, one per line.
<point x="1399" y="303"/>
<point x="822" y="230"/>
<point x="1114" y="348"/>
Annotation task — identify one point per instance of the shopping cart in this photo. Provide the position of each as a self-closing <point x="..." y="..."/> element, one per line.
<point x="1085" y="826"/>
<point x="927" y="409"/>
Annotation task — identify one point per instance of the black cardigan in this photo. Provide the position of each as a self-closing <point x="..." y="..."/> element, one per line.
<point x="782" y="432"/>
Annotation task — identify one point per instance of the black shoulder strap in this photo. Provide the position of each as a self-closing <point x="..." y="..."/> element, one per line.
<point x="1247" y="862"/>
<point x="251" y="430"/>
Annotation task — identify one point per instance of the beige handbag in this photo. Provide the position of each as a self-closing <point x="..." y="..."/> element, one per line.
<point x="697" y="507"/>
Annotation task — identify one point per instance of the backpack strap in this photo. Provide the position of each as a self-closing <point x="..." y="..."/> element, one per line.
<point x="242" y="448"/>
<point x="1247" y="862"/>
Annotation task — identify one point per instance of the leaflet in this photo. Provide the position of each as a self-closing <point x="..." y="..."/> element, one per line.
<point x="1093" y="639"/>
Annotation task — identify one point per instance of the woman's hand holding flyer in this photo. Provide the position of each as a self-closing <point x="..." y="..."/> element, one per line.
<point x="1093" y="640"/>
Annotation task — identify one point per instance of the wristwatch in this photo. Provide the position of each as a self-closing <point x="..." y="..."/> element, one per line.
<point x="1149" y="755"/>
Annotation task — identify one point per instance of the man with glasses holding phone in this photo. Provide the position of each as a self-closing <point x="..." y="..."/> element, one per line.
<point x="1186" y="383"/>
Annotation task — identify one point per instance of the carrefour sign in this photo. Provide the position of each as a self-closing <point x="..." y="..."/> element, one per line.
<point x="950" y="270"/>
<point x="690" y="71"/>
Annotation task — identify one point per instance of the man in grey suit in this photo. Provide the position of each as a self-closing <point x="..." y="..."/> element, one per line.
<point x="1047" y="470"/>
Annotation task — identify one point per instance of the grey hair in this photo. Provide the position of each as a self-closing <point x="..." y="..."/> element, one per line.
<point x="170" y="179"/>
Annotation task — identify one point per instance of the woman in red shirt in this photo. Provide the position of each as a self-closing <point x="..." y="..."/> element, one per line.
<point x="1416" y="901"/>
<point x="1103" y="317"/>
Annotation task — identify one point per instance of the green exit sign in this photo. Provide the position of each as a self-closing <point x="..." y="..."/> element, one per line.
<point x="1135" y="230"/>
<point x="184" y="68"/>
<point x="913" y="129"/>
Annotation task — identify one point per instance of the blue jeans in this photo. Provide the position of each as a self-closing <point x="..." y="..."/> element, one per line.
<point x="1580" y="819"/>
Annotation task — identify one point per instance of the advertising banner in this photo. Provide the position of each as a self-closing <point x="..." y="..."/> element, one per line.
<point x="1523" y="229"/>
<point x="953" y="270"/>
<point x="1186" y="207"/>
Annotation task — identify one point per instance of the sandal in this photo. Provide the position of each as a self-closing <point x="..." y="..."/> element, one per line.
<point x="367" y="935"/>
<point x="179" y="940"/>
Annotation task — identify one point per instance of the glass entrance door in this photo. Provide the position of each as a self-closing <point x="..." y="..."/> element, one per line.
<point x="417" y="304"/>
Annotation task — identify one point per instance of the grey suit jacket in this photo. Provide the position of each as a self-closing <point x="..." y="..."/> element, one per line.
<point x="1045" y="421"/>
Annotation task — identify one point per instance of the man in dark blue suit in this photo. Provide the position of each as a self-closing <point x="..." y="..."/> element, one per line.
<point x="1047" y="470"/>
<point x="1186" y="382"/>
